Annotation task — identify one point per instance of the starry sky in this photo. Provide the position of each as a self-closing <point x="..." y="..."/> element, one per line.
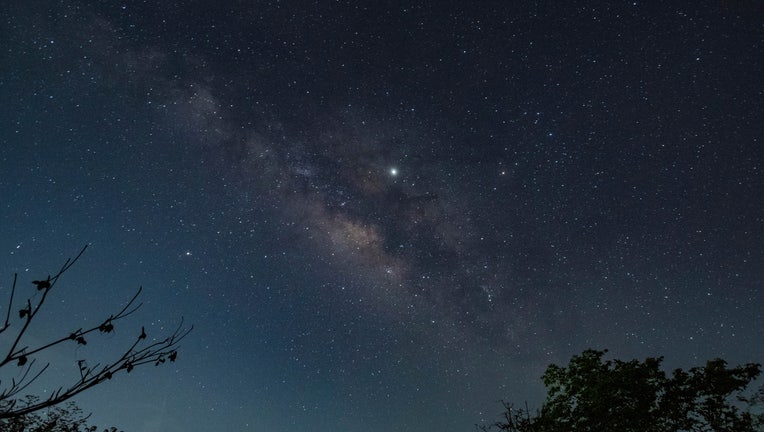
<point x="382" y="216"/>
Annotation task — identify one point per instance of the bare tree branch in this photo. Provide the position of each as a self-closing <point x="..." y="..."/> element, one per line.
<point x="139" y="353"/>
<point x="10" y="305"/>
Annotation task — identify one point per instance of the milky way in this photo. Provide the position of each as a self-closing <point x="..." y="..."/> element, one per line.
<point x="387" y="216"/>
<point x="410" y="238"/>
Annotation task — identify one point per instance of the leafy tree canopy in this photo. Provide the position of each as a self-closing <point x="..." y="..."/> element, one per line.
<point x="592" y="394"/>
<point x="65" y="417"/>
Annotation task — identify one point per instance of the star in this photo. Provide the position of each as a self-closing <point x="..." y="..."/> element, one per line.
<point x="556" y="188"/>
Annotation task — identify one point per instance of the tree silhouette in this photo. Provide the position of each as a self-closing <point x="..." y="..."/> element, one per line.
<point x="140" y="352"/>
<point x="593" y="395"/>
<point x="65" y="417"/>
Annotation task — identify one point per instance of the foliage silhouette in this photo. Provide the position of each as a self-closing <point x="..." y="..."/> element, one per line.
<point x="65" y="417"/>
<point x="594" y="395"/>
<point x="18" y="354"/>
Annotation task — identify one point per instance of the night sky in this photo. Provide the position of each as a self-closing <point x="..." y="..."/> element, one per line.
<point x="382" y="216"/>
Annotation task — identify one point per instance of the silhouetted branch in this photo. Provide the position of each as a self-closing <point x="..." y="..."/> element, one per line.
<point x="29" y="313"/>
<point x="157" y="352"/>
<point x="10" y="304"/>
<point x="79" y="335"/>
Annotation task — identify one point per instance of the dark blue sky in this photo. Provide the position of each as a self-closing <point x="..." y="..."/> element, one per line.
<point x="383" y="216"/>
